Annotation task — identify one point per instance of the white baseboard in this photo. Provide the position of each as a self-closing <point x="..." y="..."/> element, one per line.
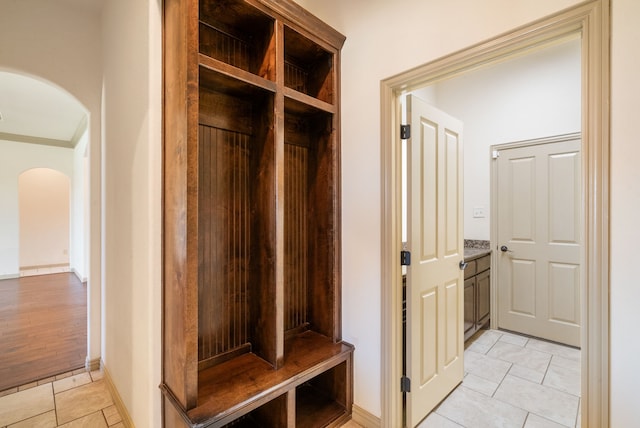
<point x="44" y="269"/>
<point x="92" y="365"/>
<point x="117" y="400"/>
<point x="364" y="418"/>
<point x="10" y="276"/>
<point x="80" y="277"/>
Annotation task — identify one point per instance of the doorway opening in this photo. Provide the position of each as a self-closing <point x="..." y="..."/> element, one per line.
<point x="44" y="224"/>
<point x="589" y="22"/>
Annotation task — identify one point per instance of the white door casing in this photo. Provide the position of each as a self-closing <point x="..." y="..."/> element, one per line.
<point x="435" y="283"/>
<point x="539" y="248"/>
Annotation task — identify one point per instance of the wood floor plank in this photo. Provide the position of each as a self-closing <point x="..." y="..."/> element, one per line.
<point x="43" y="327"/>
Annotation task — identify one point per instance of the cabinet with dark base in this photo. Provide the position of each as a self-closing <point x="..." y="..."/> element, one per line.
<point x="251" y="312"/>
<point x="477" y="293"/>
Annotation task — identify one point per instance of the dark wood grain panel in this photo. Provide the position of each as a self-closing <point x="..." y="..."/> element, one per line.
<point x="221" y="111"/>
<point x="252" y="217"/>
<point x="43" y="327"/>
<point x="324" y="229"/>
<point x="308" y="67"/>
<point x="316" y="408"/>
<point x="253" y="52"/>
<point x="483" y="286"/>
<point x="238" y="34"/>
<point x="295" y="237"/>
<point x="225" y="236"/>
<point x="240" y="75"/>
<point x="272" y="414"/>
<point x="180" y="178"/>
<point x="237" y="216"/>
<point x="245" y="383"/>
<point x="265" y="305"/>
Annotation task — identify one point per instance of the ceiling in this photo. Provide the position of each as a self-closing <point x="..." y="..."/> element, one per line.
<point x="33" y="111"/>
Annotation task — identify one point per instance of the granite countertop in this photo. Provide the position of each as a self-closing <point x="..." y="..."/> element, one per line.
<point x="474" y="253"/>
<point x="474" y="249"/>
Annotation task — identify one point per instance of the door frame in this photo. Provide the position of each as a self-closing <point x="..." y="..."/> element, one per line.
<point x="592" y="21"/>
<point x="494" y="218"/>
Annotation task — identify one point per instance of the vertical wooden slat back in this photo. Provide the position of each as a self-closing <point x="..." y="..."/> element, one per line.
<point x="295" y="236"/>
<point x="324" y="280"/>
<point x="224" y="47"/>
<point x="224" y="241"/>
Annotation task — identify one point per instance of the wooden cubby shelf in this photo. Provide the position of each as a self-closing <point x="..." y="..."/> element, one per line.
<point x="238" y="34"/>
<point x="308" y="68"/>
<point x="251" y="241"/>
<point x="238" y="387"/>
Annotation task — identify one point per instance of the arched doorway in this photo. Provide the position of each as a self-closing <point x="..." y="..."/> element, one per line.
<point x="44" y="224"/>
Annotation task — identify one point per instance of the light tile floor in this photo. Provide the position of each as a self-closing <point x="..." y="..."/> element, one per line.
<point x="70" y="400"/>
<point x="512" y="381"/>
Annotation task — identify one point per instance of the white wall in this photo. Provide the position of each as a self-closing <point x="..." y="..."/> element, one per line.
<point x="132" y="42"/>
<point x="15" y="158"/>
<point x="44" y="201"/>
<point x="59" y="43"/>
<point x="382" y="40"/>
<point x="625" y="203"/>
<point x="79" y="210"/>
<point x="532" y="96"/>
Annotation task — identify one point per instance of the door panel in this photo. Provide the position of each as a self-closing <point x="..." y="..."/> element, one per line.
<point x="434" y="279"/>
<point x="564" y="293"/>
<point x="452" y="324"/>
<point x="522" y="215"/>
<point x="483" y="284"/>
<point x="540" y="222"/>
<point x="452" y="193"/>
<point x="469" y="307"/>
<point x="429" y="321"/>
<point x="522" y="287"/>
<point x="564" y="201"/>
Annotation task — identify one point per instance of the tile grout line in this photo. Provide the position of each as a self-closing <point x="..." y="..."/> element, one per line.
<point x="55" y="404"/>
<point x="551" y="355"/>
<point x="505" y="374"/>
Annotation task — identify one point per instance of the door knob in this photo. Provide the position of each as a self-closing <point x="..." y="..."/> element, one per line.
<point x="505" y="249"/>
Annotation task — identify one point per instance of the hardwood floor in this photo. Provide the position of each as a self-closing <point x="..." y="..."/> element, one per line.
<point x="43" y="327"/>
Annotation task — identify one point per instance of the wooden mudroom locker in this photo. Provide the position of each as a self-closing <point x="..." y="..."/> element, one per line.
<point x="251" y="240"/>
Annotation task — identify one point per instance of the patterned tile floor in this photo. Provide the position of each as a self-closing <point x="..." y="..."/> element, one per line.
<point x="71" y="400"/>
<point x="512" y="381"/>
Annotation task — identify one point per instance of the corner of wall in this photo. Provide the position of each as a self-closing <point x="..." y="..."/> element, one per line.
<point x="117" y="400"/>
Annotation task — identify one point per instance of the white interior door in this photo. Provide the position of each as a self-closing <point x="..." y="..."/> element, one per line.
<point x="539" y="240"/>
<point x="435" y="283"/>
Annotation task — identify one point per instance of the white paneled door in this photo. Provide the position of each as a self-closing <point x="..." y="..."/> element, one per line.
<point x="435" y="282"/>
<point x="539" y="220"/>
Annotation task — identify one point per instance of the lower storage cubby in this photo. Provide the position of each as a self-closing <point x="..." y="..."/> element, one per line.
<point x="322" y="400"/>
<point x="314" y="388"/>
<point x="273" y="414"/>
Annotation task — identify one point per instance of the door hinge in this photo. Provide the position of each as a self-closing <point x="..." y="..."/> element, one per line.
<point x="405" y="258"/>
<point x="495" y="154"/>
<point x="405" y="384"/>
<point x="405" y="132"/>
